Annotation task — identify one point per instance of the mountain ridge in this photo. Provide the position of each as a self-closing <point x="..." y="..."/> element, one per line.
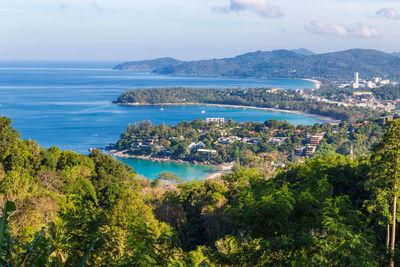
<point x="303" y="51"/>
<point x="281" y="64"/>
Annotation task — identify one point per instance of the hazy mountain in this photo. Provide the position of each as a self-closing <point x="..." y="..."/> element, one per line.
<point x="303" y="51"/>
<point x="148" y="65"/>
<point x="282" y="64"/>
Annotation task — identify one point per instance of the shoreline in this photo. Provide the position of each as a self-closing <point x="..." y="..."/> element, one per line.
<point x="317" y="84"/>
<point x="223" y="168"/>
<point x="320" y="117"/>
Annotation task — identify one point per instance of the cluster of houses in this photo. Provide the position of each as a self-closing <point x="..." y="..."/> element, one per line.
<point x="362" y="97"/>
<point x="199" y="147"/>
<point x="141" y="143"/>
<point x="359" y="99"/>
<point x="366" y="99"/>
<point x="277" y="140"/>
<point x="312" y="140"/>
<point x="231" y="139"/>
<point x="363" y="83"/>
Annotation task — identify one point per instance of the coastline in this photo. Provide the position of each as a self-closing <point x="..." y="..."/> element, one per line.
<point x="223" y="168"/>
<point x="317" y="84"/>
<point x="320" y="117"/>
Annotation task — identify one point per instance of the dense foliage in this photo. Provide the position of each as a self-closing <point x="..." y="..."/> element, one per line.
<point x="387" y="92"/>
<point x="66" y="209"/>
<point x="73" y="208"/>
<point x="285" y="64"/>
<point x="254" y="97"/>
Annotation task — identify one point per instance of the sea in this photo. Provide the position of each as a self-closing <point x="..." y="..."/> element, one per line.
<point x="69" y="104"/>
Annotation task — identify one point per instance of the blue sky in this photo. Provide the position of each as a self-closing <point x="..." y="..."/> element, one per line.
<point x="191" y="29"/>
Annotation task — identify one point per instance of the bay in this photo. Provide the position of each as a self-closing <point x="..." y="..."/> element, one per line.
<point x="69" y="104"/>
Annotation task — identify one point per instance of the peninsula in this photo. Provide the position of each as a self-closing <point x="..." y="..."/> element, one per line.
<point x="219" y="141"/>
<point x="278" y="99"/>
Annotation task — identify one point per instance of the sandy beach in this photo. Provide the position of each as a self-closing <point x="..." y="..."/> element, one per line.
<point x="317" y="84"/>
<point x="324" y="118"/>
<point x="223" y="169"/>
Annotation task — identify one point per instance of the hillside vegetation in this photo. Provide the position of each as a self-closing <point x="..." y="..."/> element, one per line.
<point x="67" y="209"/>
<point x="283" y="64"/>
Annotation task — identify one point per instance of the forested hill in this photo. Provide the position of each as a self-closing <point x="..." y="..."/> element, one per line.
<point x="148" y="65"/>
<point x="254" y="97"/>
<point x="282" y="64"/>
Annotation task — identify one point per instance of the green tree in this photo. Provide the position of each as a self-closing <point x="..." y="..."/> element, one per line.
<point x="167" y="177"/>
<point x="8" y="137"/>
<point x="385" y="182"/>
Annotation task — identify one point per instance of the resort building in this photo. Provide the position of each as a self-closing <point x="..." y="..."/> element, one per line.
<point x="228" y="140"/>
<point x="211" y="151"/>
<point x="198" y="145"/>
<point x="316" y="139"/>
<point x="299" y="151"/>
<point x="277" y="140"/>
<point x="310" y="150"/>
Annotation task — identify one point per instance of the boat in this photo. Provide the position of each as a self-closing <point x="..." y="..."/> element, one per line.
<point x="162" y="108"/>
<point x="203" y="111"/>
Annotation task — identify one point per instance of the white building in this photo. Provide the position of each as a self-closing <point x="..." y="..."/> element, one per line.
<point x="371" y="84"/>
<point x="198" y="145"/>
<point x="212" y="151"/>
<point x="217" y="120"/>
<point x="384" y="82"/>
<point x="356" y="83"/>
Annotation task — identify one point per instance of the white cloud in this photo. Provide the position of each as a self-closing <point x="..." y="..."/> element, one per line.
<point x="358" y="31"/>
<point x="261" y="7"/>
<point x="221" y="10"/>
<point x="388" y="13"/>
<point x="363" y="31"/>
<point x="97" y="6"/>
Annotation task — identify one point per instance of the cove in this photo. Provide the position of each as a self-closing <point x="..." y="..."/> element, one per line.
<point x="69" y="104"/>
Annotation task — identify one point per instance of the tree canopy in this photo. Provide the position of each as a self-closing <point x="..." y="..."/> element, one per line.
<point x="65" y="209"/>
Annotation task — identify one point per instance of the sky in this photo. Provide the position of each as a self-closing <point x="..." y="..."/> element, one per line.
<point x="191" y="29"/>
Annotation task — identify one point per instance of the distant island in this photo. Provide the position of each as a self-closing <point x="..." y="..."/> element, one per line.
<point x="283" y="100"/>
<point x="297" y="64"/>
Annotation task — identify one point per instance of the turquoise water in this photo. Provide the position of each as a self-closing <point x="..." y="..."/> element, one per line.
<point x="68" y="104"/>
<point x="151" y="169"/>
